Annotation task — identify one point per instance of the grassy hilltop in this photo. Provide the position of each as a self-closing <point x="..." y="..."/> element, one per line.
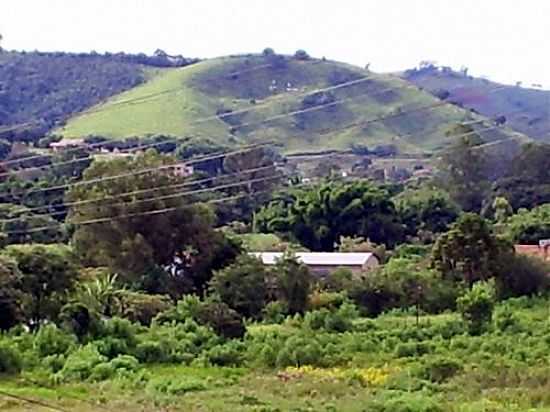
<point x="175" y="101"/>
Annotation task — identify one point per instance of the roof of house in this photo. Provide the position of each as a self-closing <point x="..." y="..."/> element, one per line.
<point x="533" y="250"/>
<point x="318" y="258"/>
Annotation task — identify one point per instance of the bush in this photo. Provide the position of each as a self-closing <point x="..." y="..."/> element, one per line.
<point x="53" y="341"/>
<point x="300" y="350"/>
<point x="521" y="275"/>
<point x="10" y="358"/>
<point x="80" y="364"/>
<point x="79" y="319"/>
<point x="440" y="369"/>
<point x="117" y="337"/>
<point x="476" y="307"/>
<point x="242" y="285"/>
<point x="301" y="55"/>
<point x="404" y="403"/>
<point x="175" y="386"/>
<point x="506" y="320"/>
<point x="225" y="321"/>
<point x="275" y="312"/>
<point x="326" y="300"/>
<point x="142" y="308"/>
<point x="228" y="354"/>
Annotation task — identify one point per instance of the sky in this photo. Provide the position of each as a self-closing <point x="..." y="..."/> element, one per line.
<point x="504" y="40"/>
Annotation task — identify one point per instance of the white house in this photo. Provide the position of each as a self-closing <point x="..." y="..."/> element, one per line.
<point x="323" y="263"/>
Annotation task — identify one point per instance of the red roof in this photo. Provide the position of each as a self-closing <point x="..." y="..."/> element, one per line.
<point x="534" y="250"/>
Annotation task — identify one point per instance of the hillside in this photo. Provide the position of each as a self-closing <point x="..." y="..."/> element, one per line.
<point x="196" y="101"/>
<point x="43" y="89"/>
<point x="526" y="109"/>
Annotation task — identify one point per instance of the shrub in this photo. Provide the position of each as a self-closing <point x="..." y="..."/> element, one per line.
<point x="521" y="275"/>
<point x="328" y="300"/>
<point x="404" y="402"/>
<point x="439" y="369"/>
<point x="102" y="371"/>
<point x="301" y="55"/>
<point x="300" y="350"/>
<point x="225" y="321"/>
<point x="175" y="386"/>
<point x="293" y="281"/>
<point x="79" y="319"/>
<point x="10" y="358"/>
<point x="275" y="312"/>
<point x="117" y="337"/>
<point x="476" y="307"/>
<point x="187" y="307"/>
<point x="506" y="320"/>
<point x="242" y="285"/>
<point x="53" y="341"/>
<point x="142" y="308"/>
<point x="125" y="363"/>
<point x="80" y="363"/>
<point x="228" y="354"/>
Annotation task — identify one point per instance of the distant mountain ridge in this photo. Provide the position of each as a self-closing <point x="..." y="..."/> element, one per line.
<point x="526" y="110"/>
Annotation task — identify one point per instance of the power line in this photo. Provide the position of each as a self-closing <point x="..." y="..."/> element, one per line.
<point x="136" y="192"/>
<point x="148" y="213"/>
<point x="205" y="119"/>
<point x="207" y="157"/>
<point x="315" y="108"/>
<point x="156" y="198"/>
<point x="217" y="117"/>
<point x="146" y="170"/>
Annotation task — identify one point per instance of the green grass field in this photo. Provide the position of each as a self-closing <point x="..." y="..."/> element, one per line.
<point x="177" y="102"/>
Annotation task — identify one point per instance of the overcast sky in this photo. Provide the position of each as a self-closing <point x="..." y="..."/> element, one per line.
<point x="505" y="40"/>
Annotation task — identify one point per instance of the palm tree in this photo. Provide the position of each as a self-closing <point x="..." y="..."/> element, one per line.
<point x="103" y="295"/>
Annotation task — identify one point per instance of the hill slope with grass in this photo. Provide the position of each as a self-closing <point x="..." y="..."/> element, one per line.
<point x="526" y="110"/>
<point x="42" y="89"/>
<point x="252" y="98"/>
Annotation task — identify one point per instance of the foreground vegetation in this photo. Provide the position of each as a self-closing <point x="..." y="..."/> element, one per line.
<point x="392" y="363"/>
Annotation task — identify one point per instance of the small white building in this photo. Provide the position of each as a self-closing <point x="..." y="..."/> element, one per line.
<point x="323" y="263"/>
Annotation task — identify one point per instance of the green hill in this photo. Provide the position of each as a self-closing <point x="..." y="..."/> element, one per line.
<point x="526" y="109"/>
<point x="42" y="89"/>
<point x="262" y="90"/>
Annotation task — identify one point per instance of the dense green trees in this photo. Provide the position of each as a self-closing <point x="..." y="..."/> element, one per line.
<point x="48" y="273"/>
<point x="171" y="251"/>
<point x="529" y="226"/>
<point x="469" y="251"/>
<point x="18" y="223"/>
<point x="463" y="169"/>
<point x="293" y="283"/>
<point x="243" y="285"/>
<point x="319" y="215"/>
<point x="425" y="210"/>
<point x="527" y="182"/>
<point x="10" y="293"/>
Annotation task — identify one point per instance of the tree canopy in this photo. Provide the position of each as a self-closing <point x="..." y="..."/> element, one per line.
<point x="318" y="216"/>
<point x="180" y="242"/>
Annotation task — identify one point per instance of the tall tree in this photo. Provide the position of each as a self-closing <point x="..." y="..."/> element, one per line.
<point x="469" y="251"/>
<point x="143" y="245"/>
<point x="48" y="273"/>
<point x="463" y="169"/>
